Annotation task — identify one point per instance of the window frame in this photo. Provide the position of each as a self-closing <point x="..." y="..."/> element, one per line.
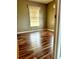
<point x="34" y="16"/>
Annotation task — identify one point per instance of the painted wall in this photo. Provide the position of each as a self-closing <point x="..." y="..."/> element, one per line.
<point x="22" y="16"/>
<point x="51" y="16"/>
<point x="23" y="21"/>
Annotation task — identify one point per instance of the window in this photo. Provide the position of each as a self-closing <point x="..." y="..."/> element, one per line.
<point x="34" y="16"/>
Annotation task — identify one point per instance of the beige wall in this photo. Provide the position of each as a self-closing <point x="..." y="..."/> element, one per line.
<point x="22" y="16"/>
<point x="51" y="16"/>
<point x="23" y="21"/>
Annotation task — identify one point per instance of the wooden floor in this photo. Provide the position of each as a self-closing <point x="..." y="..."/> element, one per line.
<point x="36" y="45"/>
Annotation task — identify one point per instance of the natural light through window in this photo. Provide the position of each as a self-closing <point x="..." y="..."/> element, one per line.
<point x="34" y="16"/>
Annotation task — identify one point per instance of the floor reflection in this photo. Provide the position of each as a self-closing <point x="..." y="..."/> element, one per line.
<point x="35" y="40"/>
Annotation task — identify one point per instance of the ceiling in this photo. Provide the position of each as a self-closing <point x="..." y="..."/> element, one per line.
<point x="42" y="1"/>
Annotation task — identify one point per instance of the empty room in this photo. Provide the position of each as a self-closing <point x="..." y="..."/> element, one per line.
<point x="36" y="24"/>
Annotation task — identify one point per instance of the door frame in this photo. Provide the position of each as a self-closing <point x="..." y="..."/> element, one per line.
<point x="57" y="24"/>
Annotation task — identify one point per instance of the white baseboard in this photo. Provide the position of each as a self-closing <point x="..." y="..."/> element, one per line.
<point x="50" y="30"/>
<point x="29" y="31"/>
<point x="34" y="31"/>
